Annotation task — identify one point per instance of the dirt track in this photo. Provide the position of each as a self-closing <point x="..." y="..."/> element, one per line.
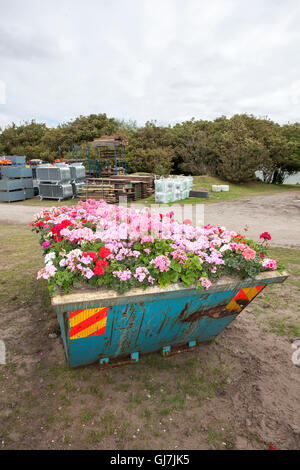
<point x="278" y="214"/>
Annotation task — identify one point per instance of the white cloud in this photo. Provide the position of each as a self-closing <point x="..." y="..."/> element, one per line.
<point x="2" y="92"/>
<point x="147" y="59"/>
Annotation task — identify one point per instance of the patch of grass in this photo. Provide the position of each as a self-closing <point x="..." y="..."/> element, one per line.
<point x="21" y="247"/>
<point x="95" y="391"/>
<point x="146" y="413"/>
<point x="35" y="201"/>
<point x="51" y="419"/>
<point x="94" y="436"/>
<point x="122" y="387"/>
<point x="87" y="416"/>
<point x="57" y="370"/>
<point x="122" y="430"/>
<point x="157" y="361"/>
<point x="220" y="436"/>
<point x="287" y="256"/>
<point x="278" y="299"/>
<point x="256" y="438"/>
<point x="65" y="400"/>
<point x="282" y="327"/>
<point x="108" y="422"/>
<point x="136" y="398"/>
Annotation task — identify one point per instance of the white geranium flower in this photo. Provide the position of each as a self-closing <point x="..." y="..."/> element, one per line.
<point x="49" y="257"/>
<point x="225" y="247"/>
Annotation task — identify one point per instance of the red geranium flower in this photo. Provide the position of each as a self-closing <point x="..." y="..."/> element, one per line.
<point x="65" y="223"/>
<point x="272" y="447"/>
<point x="98" y="270"/>
<point x="58" y="227"/>
<point x="91" y="254"/>
<point x="104" y="252"/>
<point x="265" y="235"/>
<point x="240" y="237"/>
<point x="102" y="263"/>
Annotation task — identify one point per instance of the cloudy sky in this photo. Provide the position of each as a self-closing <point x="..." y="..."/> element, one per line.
<point x="166" y="60"/>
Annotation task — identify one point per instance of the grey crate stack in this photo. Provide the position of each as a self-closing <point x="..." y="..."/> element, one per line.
<point x="16" y="183"/>
<point x="59" y="181"/>
<point x="33" y="165"/>
<point x="77" y="177"/>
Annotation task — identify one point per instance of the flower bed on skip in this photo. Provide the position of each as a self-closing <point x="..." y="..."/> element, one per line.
<point x="120" y="248"/>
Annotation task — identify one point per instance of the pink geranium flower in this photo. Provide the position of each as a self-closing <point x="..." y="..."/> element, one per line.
<point x="248" y="253"/>
<point x="269" y="263"/>
<point x="206" y="283"/>
<point x="162" y="262"/>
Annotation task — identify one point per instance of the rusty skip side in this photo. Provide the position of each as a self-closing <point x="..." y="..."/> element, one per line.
<point x="115" y="331"/>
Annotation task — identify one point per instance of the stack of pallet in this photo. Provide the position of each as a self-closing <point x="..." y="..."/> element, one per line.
<point x="106" y="189"/>
<point x="111" y="189"/>
<point x="111" y="171"/>
<point x="147" y="183"/>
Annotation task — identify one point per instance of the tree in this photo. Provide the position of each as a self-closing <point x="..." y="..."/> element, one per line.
<point x="25" y="139"/>
<point x="193" y="147"/>
<point x="150" y="149"/>
<point x="156" y="160"/>
<point x="280" y="144"/>
<point x="82" y="130"/>
<point x="239" y="153"/>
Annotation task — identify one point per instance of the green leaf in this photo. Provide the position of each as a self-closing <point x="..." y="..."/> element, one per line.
<point x="164" y="280"/>
<point x="173" y="276"/>
<point x="176" y="266"/>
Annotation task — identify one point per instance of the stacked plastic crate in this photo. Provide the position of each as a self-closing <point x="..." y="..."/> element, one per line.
<point x="172" y="189"/>
<point x="16" y="183"/>
<point x="33" y="165"/>
<point x="54" y="181"/>
<point x="77" y="177"/>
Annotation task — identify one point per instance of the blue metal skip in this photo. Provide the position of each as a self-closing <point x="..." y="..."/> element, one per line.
<point x="104" y="327"/>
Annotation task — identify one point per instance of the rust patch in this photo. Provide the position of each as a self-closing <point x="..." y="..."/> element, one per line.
<point x="180" y="348"/>
<point x="140" y="323"/>
<point x="120" y="360"/>
<point x="66" y="325"/>
<point x="161" y="326"/>
<point x="216" y="312"/>
<point x="184" y="310"/>
<point x="124" y="314"/>
<point x="112" y="328"/>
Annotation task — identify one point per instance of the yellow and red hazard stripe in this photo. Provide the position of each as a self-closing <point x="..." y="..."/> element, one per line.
<point x="87" y="322"/>
<point x="248" y="293"/>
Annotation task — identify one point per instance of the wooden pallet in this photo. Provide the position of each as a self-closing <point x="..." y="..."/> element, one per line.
<point x="111" y="188"/>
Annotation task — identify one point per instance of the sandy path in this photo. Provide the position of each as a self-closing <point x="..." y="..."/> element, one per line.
<point x="278" y="214"/>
